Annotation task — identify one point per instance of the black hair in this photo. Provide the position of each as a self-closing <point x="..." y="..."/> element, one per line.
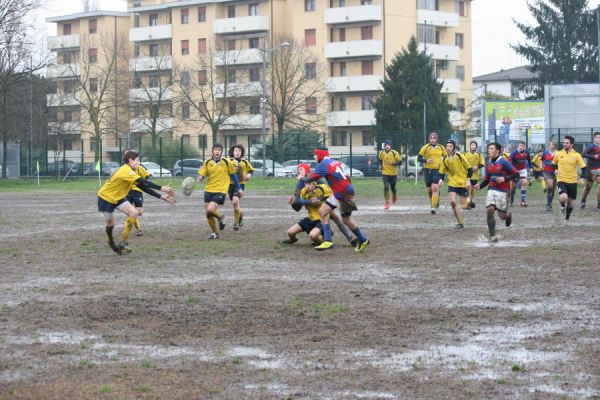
<point x="570" y="138"/>
<point x="495" y="145"/>
<point x="219" y="145"/>
<point x="596" y="133"/>
<point x="473" y="141"/>
<point x="130" y="155"/>
<point x="237" y="146"/>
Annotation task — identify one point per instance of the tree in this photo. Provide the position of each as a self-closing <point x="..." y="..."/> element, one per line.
<point x="295" y="144"/>
<point x="400" y="106"/>
<point x="563" y="45"/>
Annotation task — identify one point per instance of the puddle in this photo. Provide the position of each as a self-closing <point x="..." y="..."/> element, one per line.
<point x="585" y="392"/>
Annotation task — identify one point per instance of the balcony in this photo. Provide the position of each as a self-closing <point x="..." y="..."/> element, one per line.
<point x="63" y="42"/>
<point x="62" y="71"/>
<point x="64" y="128"/>
<point x="450" y="85"/>
<point x="350" y="15"/>
<point x="357" y="48"/>
<point x="145" y="33"/>
<point x="361" y="83"/>
<point x="61" y="100"/>
<point x="144" y="124"/>
<point x="140" y="64"/>
<point x="143" y="95"/>
<point x="441" y="52"/>
<point x="246" y="89"/>
<point x="239" y="57"/>
<point x="437" y="18"/>
<point x="243" y="121"/>
<point x="254" y="23"/>
<point x="351" y="118"/>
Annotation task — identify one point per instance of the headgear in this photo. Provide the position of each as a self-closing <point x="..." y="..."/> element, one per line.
<point x="433" y="134"/>
<point x="305" y="168"/>
<point x="387" y="142"/>
<point x="321" y="152"/>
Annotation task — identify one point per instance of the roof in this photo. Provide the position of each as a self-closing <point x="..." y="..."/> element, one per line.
<point x="99" y="13"/>
<point x="512" y="74"/>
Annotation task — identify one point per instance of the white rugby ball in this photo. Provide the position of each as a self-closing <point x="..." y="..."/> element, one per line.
<point x="187" y="186"/>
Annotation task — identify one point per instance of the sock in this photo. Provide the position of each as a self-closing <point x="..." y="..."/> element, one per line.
<point x="456" y="214"/>
<point x="523" y="195"/>
<point x="551" y="195"/>
<point x="212" y="224"/>
<point x="549" y="198"/>
<point x="562" y="204"/>
<point x="519" y="184"/>
<point x="236" y="216"/>
<point x="387" y="197"/>
<point x="429" y="194"/>
<point x="129" y="223"/>
<point x="109" y="231"/>
<point x="544" y="184"/>
<point x="345" y="230"/>
<point x="218" y="215"/>
<point x="435" y="200"/>
<point x="326" y="232"/>
<point x="568" y="214"/>
<point x="359" y="235"/>
<point x="491" y="223"/>
<point x="137" y="224"/>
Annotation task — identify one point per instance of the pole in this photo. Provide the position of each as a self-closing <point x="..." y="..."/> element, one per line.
<point x="425" y="82"/>
<point x="263" y="110"/>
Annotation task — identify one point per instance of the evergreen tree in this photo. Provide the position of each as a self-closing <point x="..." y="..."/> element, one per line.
<point x="400" y="106"/>
<point x="563" y="47"/>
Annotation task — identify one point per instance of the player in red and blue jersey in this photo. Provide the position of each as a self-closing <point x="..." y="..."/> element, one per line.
<point x="498" y="174"/>
<point x="521" y="160"/>
<point x="343" y="196"/>
<point x="592" y="153"/>
<point x="549" y="174"/>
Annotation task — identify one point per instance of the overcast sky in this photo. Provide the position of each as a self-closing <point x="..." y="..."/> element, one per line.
<point x="493" y="28"/>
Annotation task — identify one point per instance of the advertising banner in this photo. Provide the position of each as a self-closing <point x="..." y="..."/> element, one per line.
<point x="508" y="121"/>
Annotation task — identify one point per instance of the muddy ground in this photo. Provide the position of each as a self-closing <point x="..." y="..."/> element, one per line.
<point x="426" y="312"/>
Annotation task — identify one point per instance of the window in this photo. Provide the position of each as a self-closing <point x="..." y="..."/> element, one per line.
<point x="426" y="34"/>
<point x="310" y="37"/>
<point x="231" y="12"/>
<point x="185" y="47"/>
<point x="69" y="87"/>
<point x="231" y="76"/>
<point x="231" y="44"/>
<point x="368" y="139"/>
<point x="202" y="77"/>
<point x="153" y="81"/>
<point x="311" y="105"/>
<point x="67" y="58"/>
<point x="332" y="103"/>
<point x="342" y="34"/>
<point x="366" y="2"/>
<point x="232" y="107"/>
<point x="92" y="144"/>
<point x="339" y="138"/>
<point x="202" y="108"/>
<point x="342" y="69"/>
<point x="367" y="67"/>
<point x="310" y="70"/>
<point x="185" y="110"/>
<point x="153" y="50"/>
<point x="342" y="103"/>
<point x="92" y="55"/>
<point x="137" y="3"/>
<point x="460" y="72"/>
<point x="185" y="16"/>
<point x="153" y="20"/>
<point x="309" y="5"/>
<point x="137" y="81"/>
<point x="66" y="29"/>
<point x="367" y="103"/>
<point x="253" y="43"/>
<point x="201" y="14"/>
<point x="366" y="33"/>
<point x="202" y="143"/>
<point x="136" y="50"/>
<point x="185" y="78"/>
<point x="93" y="85"/>
<point x="255" y="107"/>
<point x="93" y="26"/>
<point x="342" y="3"/>
<point x="136" y="20"/>
<point x="253" y="9"/>
<point x="459" y="40"/>
<point x="67" y="116"/>
<point x="202" y="46"/>
<point x="254" y="74"/>
<point x="460" y="105"/>
<point x="460" y="8"/>
<point x="427" y="5"/>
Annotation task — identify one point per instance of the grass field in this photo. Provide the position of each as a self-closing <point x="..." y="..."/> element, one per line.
<point x="425" y="312"/>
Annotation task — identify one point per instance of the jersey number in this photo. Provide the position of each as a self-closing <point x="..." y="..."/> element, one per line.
<point x="339" y="171"/>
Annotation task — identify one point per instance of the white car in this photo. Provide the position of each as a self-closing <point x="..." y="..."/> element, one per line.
<point x="292" y="166"/>
<point x="278" y="172"/>
<point x="155" y="170"/>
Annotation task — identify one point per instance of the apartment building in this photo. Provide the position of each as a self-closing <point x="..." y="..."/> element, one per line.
<point x="354" y="39"/>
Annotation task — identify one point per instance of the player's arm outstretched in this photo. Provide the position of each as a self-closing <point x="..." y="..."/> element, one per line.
<point x="147" y="186"/>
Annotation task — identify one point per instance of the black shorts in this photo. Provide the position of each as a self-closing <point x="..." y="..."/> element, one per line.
<point x="474" y="182"/>
<point x="432" y="176"/>
<point x="218" y="198"/>
<point x="389" y="180"/>
<point x="462" y="192"/>
<point x="232" y="192"/>
<point x="308" y="225"/>
<point x="537" y="174"/>
<point x="105" y="206"/>
<point x="136" y="198"/>
<point x="549" y="175"/>
<point x="569" y="188"/>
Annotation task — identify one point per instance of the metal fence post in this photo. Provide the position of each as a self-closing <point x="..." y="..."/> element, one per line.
<point x="559" y="142"/>
<point x="351" y="154"/>
<point x="82" y="159"/>
<point x="298" y="147"/>
<point x="100" y="155"/>
<point x="527" y="138"/>
<point x="181" y="153"/>
<point x="64" y="163"/>
<point x="160" y="159"/>
<point x="273" y="154"/>
<point x="249" y="145"/>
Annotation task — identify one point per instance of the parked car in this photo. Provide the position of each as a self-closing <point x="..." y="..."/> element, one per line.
<point x="279" y="172"/>
<point x="186" y="167"/>
<point x="412" y="166"/>
<point x="64" y="167"/>
<point x="368" y="165"/>
<point x="292" y="165"/>
<point x="156" y="170"/>
<point x="108" y="168"/>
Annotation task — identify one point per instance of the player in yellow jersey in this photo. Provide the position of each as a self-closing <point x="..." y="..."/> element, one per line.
<point x="113" y="194"/>
<point x="538" y="169"/>
<point x="135" y="197"/>
<point x="476" y="161"/>
<point x="219" y="171"/>
<point x="389" y="160"/>
<point x="567" y="160"/>
<point x="431" y="156"/>
<point x="458" y="169"/>
<point x="311" y="196"/>
<point x="243" y="170"/>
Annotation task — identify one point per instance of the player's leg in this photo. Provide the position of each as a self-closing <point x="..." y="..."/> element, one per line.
<point x="209" y="208"/>
<point x="523" y="174"/>
<point x="343" y="228"/>
<point x="107" y="210"/>
<point x="386" y="191"/>
<point x="513" y="189"/>
<point x="138" y="226"/>
<point x="292" y="232"/>
<point x="571" y="197"/>
<point x="325" y="212"/>
<point x="589" y="182"/>
<point x="315" y="235"/>
<point x="598" y="189"/>
<point x="435" y="192"/>
<point x="455" y="209"/>
<point x="427" y="176"/>
<point x="237" y="212"/>
<point x="346" y="208"/>
<point x="393" y="181"/>
<point x="550" y="189"/>
<point x="128" y="209"/>
<point x="491" y="221"/>
<point x="563" y="196"/>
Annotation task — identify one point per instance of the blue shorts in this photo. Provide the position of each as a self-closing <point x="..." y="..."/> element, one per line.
<point x="136" y="198"/>
<point x="105" y="206"/>
<point x="462" y="192"/>
<point x="432" y="176"/>
<point x="218" y="198"/>
<point x="232" y="192"/>
<point x="308" y="225"/>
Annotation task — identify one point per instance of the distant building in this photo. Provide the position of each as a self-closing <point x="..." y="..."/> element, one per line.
<point x="504" y="82"/>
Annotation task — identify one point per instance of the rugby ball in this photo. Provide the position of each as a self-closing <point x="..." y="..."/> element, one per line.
<point x="187" y="186"/>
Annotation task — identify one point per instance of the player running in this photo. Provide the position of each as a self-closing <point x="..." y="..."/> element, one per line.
<point x="343" y="196"/>
<point x="567" y="160"/>
<point x="458" y="169"/>
<point x="549" y="174"/>
<point x="498" y="174"/>
<point x="389" y="160"/>
<point x="521" y="160"/>
<point x="431" y="156"/>
<point x="219" y="172"/>
<point x="243" y="169"/>
<point x="476" y="161"/>
<point x="592" y="153"/>
<point x="113" y="194"/>
<point x="538" y="169"/>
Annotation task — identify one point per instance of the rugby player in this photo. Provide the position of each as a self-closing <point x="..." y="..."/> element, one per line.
<point x="592" y="154"/>
<point x="549" y="174"/>
<point x="538" y="170"/>
<point x="389" y="160"/>
<point x="521" y="160"/>
<point x="567" y="160"/>
<point x="476" y="161"/>
<point x="431" y="156"/>
<point x="243" y="169"/>
<point x="458" y="169"/>
<point x="135" y="197"/>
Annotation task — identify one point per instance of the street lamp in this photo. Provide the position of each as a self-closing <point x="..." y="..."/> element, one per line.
<point x="263" y="100"/>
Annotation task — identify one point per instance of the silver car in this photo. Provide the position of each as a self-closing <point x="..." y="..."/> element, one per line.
<point x="279" y="172"/>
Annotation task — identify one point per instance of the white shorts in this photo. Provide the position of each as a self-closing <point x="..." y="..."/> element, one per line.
<point x="497" y="199"/>
<point x="332" y="201"/>
<point x="523" y="173"/>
